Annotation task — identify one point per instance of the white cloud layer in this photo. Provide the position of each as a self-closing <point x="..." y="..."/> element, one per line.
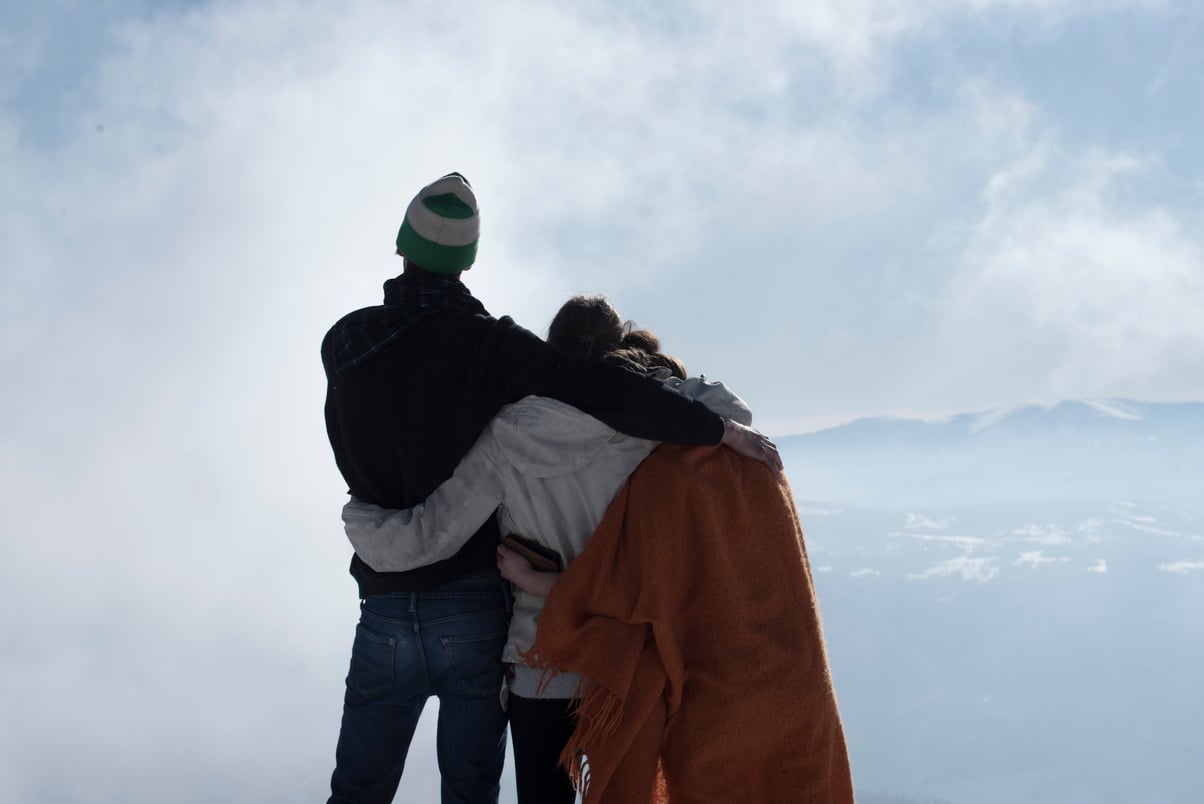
<point x="1037" y="558"/>
<point x="967" y="568"/>
<point x="1068" y="286"/>
<point x="929" y="244"/>
<point x="1181" y="567"/>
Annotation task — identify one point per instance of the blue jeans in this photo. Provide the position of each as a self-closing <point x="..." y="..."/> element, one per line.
<point x="407" y="648"/>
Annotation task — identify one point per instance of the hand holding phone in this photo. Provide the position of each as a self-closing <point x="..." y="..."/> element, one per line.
<point x="540" y="557"/>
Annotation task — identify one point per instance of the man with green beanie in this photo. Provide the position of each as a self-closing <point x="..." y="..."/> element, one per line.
<point x="410" y="385"/>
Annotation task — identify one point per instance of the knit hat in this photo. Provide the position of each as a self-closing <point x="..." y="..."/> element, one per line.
<point x="441" y="227"/>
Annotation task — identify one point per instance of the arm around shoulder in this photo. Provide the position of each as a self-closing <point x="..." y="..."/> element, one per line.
<point x="634" y="404"/>
<point x="399" y="540"/>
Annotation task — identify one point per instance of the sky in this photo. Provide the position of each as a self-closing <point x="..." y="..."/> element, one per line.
<point x="837" y="208"/>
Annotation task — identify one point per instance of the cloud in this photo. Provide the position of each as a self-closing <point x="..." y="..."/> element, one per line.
<point x="967" y="543"/>
<point x="970" y="569"/>
<point x="919" y="521"/>
<point x="1067" y="286"/>
<point x="1181" y="567"/>
<point x="1035" y="558"/>
<point x="256" y="147"/>
<point x="1046" y="534"/>
<point x="1100" y="567"/>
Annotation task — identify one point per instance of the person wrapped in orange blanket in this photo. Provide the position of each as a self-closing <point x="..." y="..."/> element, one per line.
<point x="692" y="615"/>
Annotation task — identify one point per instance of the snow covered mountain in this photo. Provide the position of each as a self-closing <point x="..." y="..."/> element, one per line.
<point x="1012" y="600"/>
<point x="1075" y="450"/>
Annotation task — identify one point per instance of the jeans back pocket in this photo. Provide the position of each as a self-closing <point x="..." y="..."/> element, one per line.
<point x="372" y="656"/>
<point x="476" y="661"/>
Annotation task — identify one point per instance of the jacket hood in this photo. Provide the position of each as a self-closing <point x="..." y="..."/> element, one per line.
<point x="716" y="396"/>
<point x="543" y="437"/>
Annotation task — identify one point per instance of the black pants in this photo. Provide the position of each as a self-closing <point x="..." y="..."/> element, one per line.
<point x="540" y="730"/>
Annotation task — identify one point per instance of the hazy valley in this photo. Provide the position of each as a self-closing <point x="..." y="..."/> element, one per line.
<point x="1005" y="622"/>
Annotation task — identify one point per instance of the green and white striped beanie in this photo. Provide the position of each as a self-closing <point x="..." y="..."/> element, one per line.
<point x="441" y="227"/>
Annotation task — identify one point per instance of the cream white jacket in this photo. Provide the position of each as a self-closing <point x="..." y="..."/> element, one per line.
<point x="549" y="470"/>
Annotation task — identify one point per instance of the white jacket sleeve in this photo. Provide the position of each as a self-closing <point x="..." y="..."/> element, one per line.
<point x="716" y="396"/>
<point x="392" y="540"/>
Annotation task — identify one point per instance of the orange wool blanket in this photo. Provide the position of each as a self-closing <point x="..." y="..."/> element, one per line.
<point x="693" y="616"/>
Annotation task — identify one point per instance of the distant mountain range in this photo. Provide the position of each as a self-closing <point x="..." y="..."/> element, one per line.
<point x="1084" y="450"/>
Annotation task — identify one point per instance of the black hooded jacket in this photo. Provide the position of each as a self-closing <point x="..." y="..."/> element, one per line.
<point x="412" y="383"/>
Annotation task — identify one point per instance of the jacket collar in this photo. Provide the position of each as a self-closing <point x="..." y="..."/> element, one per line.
<point x="409" y="298"/>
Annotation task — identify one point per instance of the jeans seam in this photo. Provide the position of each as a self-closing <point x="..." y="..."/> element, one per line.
<point x="426" y="668"/>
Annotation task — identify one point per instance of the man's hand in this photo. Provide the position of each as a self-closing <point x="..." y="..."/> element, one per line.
<point x="752" y="444"/>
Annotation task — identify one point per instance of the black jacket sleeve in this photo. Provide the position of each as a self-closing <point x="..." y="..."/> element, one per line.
<point x="634" y="404"/>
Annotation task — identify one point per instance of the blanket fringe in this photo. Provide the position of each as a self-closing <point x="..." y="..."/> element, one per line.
<point x="598" y="710"/>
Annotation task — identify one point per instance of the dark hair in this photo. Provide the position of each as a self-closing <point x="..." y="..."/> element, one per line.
<point x="589" y="328"/>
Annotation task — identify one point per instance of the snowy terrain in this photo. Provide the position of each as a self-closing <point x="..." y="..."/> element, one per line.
<point x="1012" y="600"/>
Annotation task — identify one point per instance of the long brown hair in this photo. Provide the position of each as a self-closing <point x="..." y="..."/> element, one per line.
<point x="589" y="328"/>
